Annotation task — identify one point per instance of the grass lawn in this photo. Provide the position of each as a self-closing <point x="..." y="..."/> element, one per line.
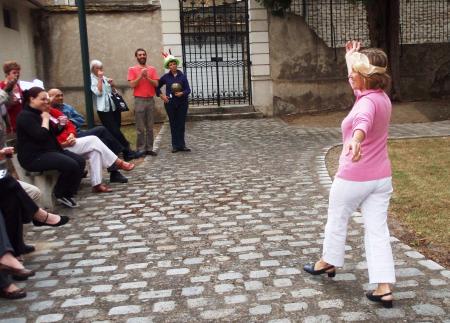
<point x="420" y="205"/>
<point x="129" y="132"/>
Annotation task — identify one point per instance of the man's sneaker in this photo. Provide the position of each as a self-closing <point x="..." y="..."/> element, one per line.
<point x="67" y="201"/>
<point x="151" y="153"/>
<point x="71" y="200"/>
<point x="117" y="177"/>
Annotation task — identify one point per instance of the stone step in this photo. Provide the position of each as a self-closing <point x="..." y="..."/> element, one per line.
<point x="193" y="110"/>
<point x="225" y="116"/>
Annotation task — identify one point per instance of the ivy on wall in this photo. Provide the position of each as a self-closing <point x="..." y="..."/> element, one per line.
<point x="276" y="7"/>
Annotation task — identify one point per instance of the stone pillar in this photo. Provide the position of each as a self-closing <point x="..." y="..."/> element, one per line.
<point x="262" y="94"/>
<point x="171" y="30"/>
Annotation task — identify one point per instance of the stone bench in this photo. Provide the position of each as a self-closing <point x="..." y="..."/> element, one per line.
<point x="45" y="181"/>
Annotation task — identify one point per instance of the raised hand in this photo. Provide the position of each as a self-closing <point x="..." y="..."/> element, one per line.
<point x="352" y="46"/>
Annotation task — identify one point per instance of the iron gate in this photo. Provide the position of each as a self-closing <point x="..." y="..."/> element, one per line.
<point x="216" y="56"/>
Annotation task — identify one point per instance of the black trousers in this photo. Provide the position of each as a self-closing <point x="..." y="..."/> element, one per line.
<point x="71" y="168"/>
<point x="105" y="136"/>
<point x="17" y="208"/>
<point x="5" y="246"/>
<point x="112" y="121"/>
<point x="177" y="111"/>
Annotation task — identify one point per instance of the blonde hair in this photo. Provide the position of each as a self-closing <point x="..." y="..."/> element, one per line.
<point x="377" y="57"/>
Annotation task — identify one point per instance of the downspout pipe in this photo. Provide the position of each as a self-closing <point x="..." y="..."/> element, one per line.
<point x="85" y="62"/>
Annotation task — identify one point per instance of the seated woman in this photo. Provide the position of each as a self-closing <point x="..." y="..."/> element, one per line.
<point x="89" y="147"/>
<point x="18" y="208"/>
<point x="9" y="265"/>
<point x="38" y="149"/>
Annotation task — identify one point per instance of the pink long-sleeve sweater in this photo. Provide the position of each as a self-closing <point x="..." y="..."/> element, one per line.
<point x="371" y="113"/>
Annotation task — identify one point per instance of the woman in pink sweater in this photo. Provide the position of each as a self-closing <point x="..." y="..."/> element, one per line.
<point x="364" y="175"/>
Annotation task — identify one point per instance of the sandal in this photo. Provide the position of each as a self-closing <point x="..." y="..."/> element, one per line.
<point x="309" y="268"/>
<point x="387" y="303"/>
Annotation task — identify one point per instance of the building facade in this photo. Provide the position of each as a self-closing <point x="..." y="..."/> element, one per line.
<point x="234" y="52"/>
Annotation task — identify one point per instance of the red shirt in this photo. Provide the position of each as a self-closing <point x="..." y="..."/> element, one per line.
<point x="144" y="88"/>
<point x="68" y="129"/>
<point x="13" y="108"/>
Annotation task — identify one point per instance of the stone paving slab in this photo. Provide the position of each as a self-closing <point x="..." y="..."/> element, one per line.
<point x="219" y="234"/>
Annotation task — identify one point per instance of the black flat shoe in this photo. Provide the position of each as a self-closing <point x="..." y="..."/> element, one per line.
<point x="387" y="303"/>
<point x="309" y="268"/>
<point x="117" y="177"/>
<point x="18" y="293"/>
<point x="63" y="220"/>
<point x="20" y="272"/>
<point x="185" y="149"/>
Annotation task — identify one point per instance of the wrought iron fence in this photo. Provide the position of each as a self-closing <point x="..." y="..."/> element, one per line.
<point x="424" y="21"/>
<point x="335" y="21"/>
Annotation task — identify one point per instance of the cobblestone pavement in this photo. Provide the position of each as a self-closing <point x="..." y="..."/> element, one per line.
<point x="219" y="234"/>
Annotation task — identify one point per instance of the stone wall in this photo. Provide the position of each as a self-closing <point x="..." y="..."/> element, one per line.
<point x="308" y="78"/>
<point x="425" y="71"/>
<point x="17" y="43"/>
<point x="113" y="38"/>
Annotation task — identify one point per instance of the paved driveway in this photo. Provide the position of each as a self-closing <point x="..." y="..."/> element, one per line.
<point x="219" y="234"/>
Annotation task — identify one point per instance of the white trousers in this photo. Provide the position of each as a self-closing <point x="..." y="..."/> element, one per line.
<point x="97" y="153"/>
<point x="373" y="198"/>
<point x="32" y="191"/>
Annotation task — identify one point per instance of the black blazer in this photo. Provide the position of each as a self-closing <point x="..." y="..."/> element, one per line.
<point x="34" y="140"/>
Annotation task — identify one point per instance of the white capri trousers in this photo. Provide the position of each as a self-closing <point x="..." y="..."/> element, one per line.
<point x="32" y="191"/>
<point x="97" y="153"/>
<point x="373" y="198"/>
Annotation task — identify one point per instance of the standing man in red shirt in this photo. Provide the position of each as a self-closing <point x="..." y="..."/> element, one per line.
<point x="143" y="79"/>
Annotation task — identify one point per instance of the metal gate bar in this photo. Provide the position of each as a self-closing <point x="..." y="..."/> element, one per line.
<point x="215" y="43"/>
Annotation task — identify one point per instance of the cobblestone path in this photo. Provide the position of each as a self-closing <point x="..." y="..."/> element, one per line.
<point x="219" y="234"/>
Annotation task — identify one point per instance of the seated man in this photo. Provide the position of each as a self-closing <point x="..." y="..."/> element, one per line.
<point x="57" y="102"/>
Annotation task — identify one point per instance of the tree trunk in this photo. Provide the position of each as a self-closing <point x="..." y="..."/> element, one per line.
<point x="383" y="18"/>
